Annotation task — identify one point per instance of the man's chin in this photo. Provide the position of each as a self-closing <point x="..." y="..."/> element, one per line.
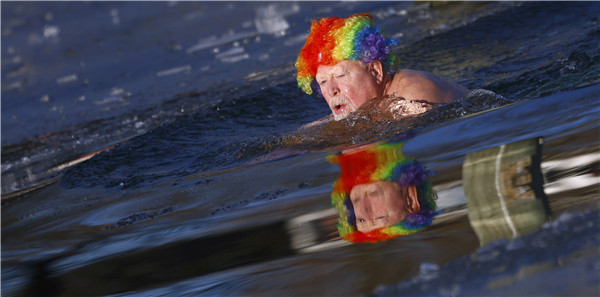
<point x="343" y="114"/>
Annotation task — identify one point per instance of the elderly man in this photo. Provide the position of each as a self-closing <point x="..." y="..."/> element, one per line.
<point x="351" y="62"/>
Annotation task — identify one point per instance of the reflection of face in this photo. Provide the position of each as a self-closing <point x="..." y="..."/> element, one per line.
<point x="346" y="86"/>
<point x="379" y="204"/>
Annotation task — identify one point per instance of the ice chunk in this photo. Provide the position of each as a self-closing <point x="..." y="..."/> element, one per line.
<point x="231" y="52"/>
<point x="234" y="59"/>
<point x="213" y="41"/>
<point x="51" y="31"/>
<point x="235" y="54"/>
<point x="202" y="44"/>
<point x="270" y="19"/>
<point x="176" y="70"/>
<point x="66" y="79"/>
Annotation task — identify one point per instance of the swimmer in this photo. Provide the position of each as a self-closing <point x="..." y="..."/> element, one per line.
<point x="348" y="61"/>
<point x="381" y="194"/>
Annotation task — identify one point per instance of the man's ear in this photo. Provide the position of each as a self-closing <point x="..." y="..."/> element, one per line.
<point x="376" y="69"/>
<point x="412" y="200"/>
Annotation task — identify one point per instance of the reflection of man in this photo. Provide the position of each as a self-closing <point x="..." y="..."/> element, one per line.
<point x="381" y="194"/>
<point x="351" y="62"/>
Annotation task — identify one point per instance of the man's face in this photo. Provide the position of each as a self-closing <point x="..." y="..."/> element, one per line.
<point x="346" y="86"/>
<point x="377" y="205"/>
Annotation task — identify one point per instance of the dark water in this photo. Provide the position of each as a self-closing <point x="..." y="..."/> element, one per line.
<point x="194" y="95"/>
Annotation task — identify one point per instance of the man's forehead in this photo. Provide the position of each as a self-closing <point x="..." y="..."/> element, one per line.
<point x="376" y="185"/>
<point x="325" y="70"/>
<point x="364" y="188"/>
<point x="342" y="65"/>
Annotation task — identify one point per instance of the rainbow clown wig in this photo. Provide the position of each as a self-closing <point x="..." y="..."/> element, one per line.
<point x="382" y="162"/>
<point x="334" y="39"/>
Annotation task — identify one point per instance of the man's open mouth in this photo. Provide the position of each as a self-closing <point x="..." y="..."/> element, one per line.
<point x="339" y="109"/>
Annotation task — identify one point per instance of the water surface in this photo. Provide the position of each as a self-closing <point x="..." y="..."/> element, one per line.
<point x="191" y="96"/>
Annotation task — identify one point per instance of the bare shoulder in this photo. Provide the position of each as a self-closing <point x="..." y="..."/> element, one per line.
<point x="424" y="86"/>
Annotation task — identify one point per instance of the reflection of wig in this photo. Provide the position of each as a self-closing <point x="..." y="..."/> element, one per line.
<point x="382" y="162"/>
<point x="334" y="39"/>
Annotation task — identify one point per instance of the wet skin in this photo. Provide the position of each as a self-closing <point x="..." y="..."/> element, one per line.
<point x="348" y="85"/>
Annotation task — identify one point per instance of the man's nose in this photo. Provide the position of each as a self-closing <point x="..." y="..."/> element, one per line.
<point x="367" y="211"/>
<point x="332" y="89"/>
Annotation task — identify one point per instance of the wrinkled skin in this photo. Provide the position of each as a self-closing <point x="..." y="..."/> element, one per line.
<point x="347" y="85"/>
